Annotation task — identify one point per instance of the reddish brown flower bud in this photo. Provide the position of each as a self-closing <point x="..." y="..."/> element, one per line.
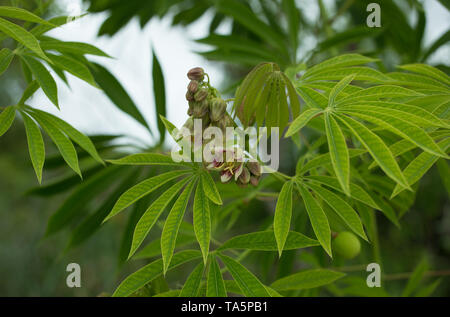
<point x="201" y="94"/>
<point x="189" y="96"/>
<point x="193" y="86"/>
<point x="254" y="168"/>
<point x="254" y="180"/>
<point x="244" y="178"/>
<point x="196" y="73"/>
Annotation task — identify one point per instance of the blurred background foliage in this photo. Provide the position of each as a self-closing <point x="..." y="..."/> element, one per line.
<point x="259" y="30"/>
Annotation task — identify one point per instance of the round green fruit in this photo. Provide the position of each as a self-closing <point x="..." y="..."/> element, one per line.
<point x="347" y="245"/>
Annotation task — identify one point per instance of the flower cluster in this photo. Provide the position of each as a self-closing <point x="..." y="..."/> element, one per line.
<point x="206" y="104"/>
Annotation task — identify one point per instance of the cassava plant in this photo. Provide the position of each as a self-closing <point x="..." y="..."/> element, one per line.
<point x="364" y="138"/>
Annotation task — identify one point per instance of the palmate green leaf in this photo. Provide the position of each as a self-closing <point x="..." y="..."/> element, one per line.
<point x="339" y="62"/>
<point x="22" y="36"/>
<point x="170" y="127"/>
<point x="74" y="67"/>
<point x="283" y="215"/>
<point x="143" y="189"/>
<point x="317" y="218"/>
<point x="210" y="189"/>
<point x="312" y="98"/>
<point x="153" y="249"/>
<point x="419" y="166"/>
<point x="405" y="129"/>
<point x="44" y="78"/>
<point x="293" y="19"/>
<point x="92" y="223"/>
<point x="377" y="149"/>
<point x="444" y="39"/>
<point x="116" y="93"/>
<point x="302" y="120"/>
<point x="307" y="279"/>
<point x="247" y="282"/>
<point x="151" y="215"/>
<point x="356" y="192"/>
<point x="325" y="159"/>
<point x="32" y="87"/>
<point x="172" y="225"/>
<point x="75" y="205"/>
<point x="35" y="145"/>
<point x="151" y="271"/>
<point x="342" y="209"/>
<point x="353" y="34"/>
<point x="340" y="86"/>
<point x="6" y="119"/>
<point x="215" y="284"/>
<point x="81" y="48"/>
<point x="411" y="113"/>
<point x="428" y="290"/>
<point x="192" y="285"/>
<point x="202" y="220"/>
<point x="340" y="158"/>
<point x="417" y="81"/>
<point x="61" y="141"/>
<point x="159" y="90"/>
<point x="416" y="278"/>
<point x="360" y="73"/>
<point x="6" y="56"/>
<point x="147" y="159"/>
<point x="378" y="92"/>
<point x="427" y="70"/>
<point x="244" y="16"/>
<point x="21" y="14"/>
<point x="265" y="241"/>
<point x="82" y="140"/>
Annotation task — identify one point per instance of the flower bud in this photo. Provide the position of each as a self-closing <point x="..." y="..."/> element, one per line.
<point x="244" y="178"/>
<point x="200" y="109"/>
<point x="201" y="94"/>
<point x="254" y="180"/>
<point x="254" y="168"/>
<point x="218" y="108"/>
<point x="189" y="96"/>
<point x="196" y="73"/>
<point x="189" y="124"/>
<point x="193" y="86"/>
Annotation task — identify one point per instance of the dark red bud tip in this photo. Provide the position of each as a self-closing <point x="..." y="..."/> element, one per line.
<point x="196" y="73"/>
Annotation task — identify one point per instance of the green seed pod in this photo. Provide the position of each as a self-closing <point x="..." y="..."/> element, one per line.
<point x="196" y="73"/>
<point x="193" y="86"/>
<point x="347" y="245"/>
<point x="254" y="168"/>
<point x="218" y="108"/>
<point x="201" y="94"/>
<point x="244" y="178"/>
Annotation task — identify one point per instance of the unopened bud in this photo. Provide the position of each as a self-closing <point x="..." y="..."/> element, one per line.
<point x="218" y="108"/>
<point x="200" y="109"/>
<point x="196" y="73"/>
<point x="254" y="180"/>
<point x="201" y="95"/>
<point x="254" y="168"/>
<point x="189" y="96"/>
<point x="193" y="86"/>
<point x="189" y="124"/>
<point x="244" y="178"/>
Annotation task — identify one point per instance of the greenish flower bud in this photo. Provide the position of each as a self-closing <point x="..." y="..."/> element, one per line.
<point x="218" y="108"/>
<point x="201" y="94"/>
<point x="254" y="168"/>
<point x="189" y="124"/>
<point x="347" y="245"/>
<point x="196" y="73"/>
<point x="193" y="86"/>
<point x="200" y="109"/>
